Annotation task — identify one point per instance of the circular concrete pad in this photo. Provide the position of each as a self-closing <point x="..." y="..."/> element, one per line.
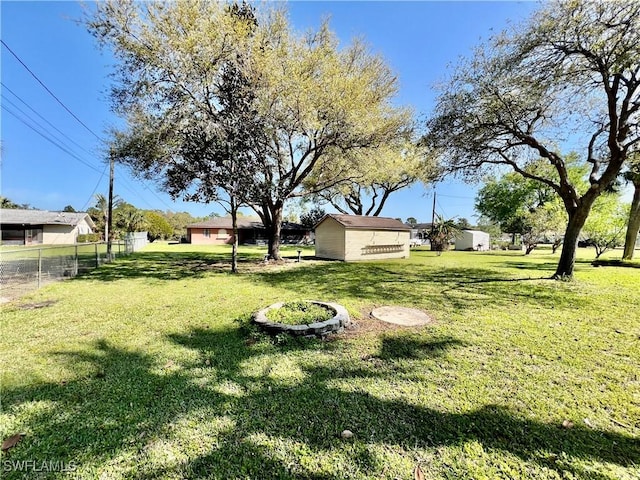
<point x="407" y="317"/>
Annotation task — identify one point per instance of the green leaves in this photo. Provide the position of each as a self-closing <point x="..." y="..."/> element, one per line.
<point x="227" y="103"/>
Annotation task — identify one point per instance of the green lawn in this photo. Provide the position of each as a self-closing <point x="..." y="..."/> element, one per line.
<point x="146" y="368"/>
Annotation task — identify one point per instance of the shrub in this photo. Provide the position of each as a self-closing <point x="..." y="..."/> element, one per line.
<point x="88" y="238"/>
<point x="299" y="313"/>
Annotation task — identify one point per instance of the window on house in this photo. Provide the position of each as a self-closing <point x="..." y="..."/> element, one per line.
<point x="222" y="233"/>
<point x="206" y="233"/>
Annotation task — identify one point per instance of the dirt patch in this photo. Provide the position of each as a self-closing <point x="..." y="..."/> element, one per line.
<point x="35" y="306"/>
<point x="276" y="265"/>
<point x="366" y="324"/>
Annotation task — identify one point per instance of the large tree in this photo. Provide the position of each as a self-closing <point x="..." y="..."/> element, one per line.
<point x="604" y="229"/>
<point x="376" y="175"/>
<point x="526" y="207"/>
<point x="324" y="106"/>
<point x="569" y="77"/>
<point x="314" y="102"/>
<point x="633" y="224"/>
<point x="158" y="227"/>
<point x="509" y="199"/>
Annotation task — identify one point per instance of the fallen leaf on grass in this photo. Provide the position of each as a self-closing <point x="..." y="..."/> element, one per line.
<point x="12" y="441"/>
<point x="417" y="473"/>
<point x="567" y="424"/>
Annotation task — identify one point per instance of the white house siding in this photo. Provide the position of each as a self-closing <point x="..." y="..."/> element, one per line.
<point x="376" y="244"/>
<point x="59" y="234"/>
<point x="83" y="227"/>
<point x="330" y="240"/>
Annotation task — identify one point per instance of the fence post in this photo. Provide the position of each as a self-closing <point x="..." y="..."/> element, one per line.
<point x="75" y="262"/>
<point x="97" y="256"/>
<point x="39" y="267"/>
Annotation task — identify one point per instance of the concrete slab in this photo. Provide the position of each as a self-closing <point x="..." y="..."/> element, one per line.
<point x="406" y="317"/>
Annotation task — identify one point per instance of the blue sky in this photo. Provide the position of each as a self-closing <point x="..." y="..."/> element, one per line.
<point x="419" y="40"/>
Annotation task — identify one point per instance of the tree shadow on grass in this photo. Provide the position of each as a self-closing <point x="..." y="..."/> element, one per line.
<point x="533" y="266"/>
<point x="131" y="410"/>
<point x="415" y="347"/>
<point x="402" y="284"/>
<point x="166" y="266"/>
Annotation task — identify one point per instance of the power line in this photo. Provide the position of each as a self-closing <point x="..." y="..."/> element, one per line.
<point x="47" y="89"/>
<point x="86" y="204"/>
<point x="67" y="147"/>
<point x="52" y="141"/>
<point x="70" y="112"/>
<point x="456" y="196"/>
<point x="35" y="123"/>
<point x="43" y="118"/>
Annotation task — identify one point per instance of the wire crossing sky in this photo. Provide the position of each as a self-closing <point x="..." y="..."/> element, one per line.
<point x="56" y="114"/>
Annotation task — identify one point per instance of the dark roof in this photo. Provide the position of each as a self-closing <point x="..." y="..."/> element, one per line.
<point x="243" y="222"/>
<point x="225" y="222"/>
<point x="10" y="216"/>
<point x="366" y="223"/>
<point x="419" y="226"/>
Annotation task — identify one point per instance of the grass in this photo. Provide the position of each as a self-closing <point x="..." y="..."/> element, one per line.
<point x="147" y="368"/>
<point x="299" y="313"/>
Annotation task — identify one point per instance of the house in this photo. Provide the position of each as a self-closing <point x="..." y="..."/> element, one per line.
<point x="355" y="237"/>
<point x="473" y="240"/>
<point x="42" y="227"/>
<point x="219" y="231"/>
<point x="419" y="233"/>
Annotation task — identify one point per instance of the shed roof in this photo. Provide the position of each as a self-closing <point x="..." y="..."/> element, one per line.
<point x="366" y="223"/>
<point x="11" y="216"/>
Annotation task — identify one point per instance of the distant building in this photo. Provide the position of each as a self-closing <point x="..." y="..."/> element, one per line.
<point x="219" y="231"/>
<point x="355" y="237"/>
<point x="42" y="227"/>
<point x="420" y="233"/>
<point x="473" y="240"/>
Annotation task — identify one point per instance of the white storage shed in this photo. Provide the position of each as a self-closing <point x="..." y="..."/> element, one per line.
<point x="473" y="240"/>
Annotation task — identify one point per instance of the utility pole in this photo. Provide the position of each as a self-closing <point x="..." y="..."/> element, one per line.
<point x="110" y="210"/>
<point x="433" y="210"/>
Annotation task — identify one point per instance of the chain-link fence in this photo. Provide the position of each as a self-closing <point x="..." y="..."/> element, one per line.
<point x="25" y="269"/>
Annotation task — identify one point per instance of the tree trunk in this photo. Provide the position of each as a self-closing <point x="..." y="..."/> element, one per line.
<point x="271" y="216"/>
<point x="234" y="246"/>
<point x="276" y="228"/>
<point x="633" y="227"/>
<point x="568" y="255"/>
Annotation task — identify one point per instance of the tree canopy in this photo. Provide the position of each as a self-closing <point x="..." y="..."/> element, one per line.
<point x="313" y="103"/>
<point x="569" y="76"/>
<point x="605" y="227"/>
<point x="376" y="174"/>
